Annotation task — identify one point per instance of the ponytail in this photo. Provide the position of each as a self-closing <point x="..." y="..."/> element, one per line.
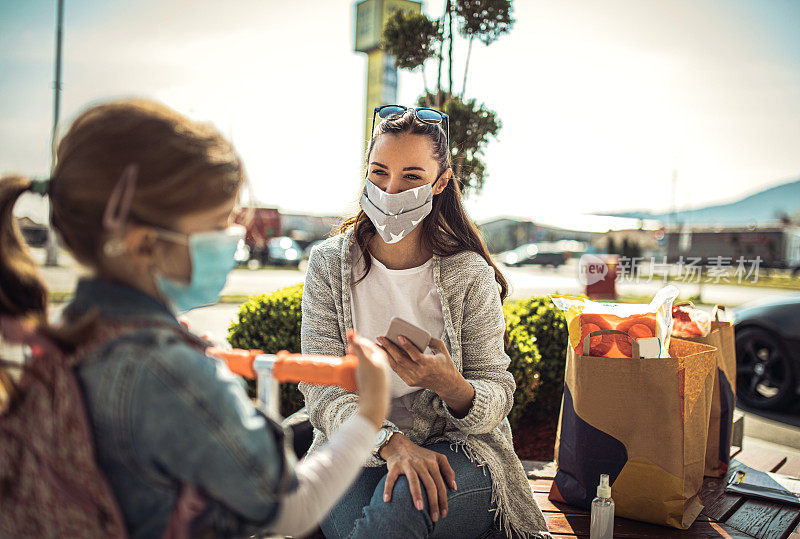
<point x="23" y="294"/>
<point x="22" y="290"/>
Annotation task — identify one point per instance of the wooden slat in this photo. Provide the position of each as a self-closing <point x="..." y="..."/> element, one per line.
<point x="723" y="507"/>
<point x="737" y="430"/>
<point x="791" y="467"/>
<point x="759" y="459"/>
<point x="554" y="507"/>
<point x="764" y="520"/>
<point x="540" y="485"/>
<point x="539" y="469"/>
<point x="735" y="450"/>
<point x="559" y="523"/>
<point x="717" y="505"/>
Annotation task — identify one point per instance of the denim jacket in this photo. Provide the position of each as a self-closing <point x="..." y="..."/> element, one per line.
<point x="164" y="414"/>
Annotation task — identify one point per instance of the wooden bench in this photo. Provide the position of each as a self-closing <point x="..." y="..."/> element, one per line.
<point x="724" y="515"/>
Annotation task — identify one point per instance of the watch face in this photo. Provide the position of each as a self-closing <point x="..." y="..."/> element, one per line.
<point x="382" y="434"/>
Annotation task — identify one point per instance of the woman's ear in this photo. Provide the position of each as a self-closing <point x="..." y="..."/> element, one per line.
<point x="444" y="179"/>
<point x="140" y="244"/>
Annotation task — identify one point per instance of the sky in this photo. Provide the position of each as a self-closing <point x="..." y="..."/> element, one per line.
<point x="600" y="101"/>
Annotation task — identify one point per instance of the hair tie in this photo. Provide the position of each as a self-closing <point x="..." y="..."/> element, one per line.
<point x="40" y="187"/>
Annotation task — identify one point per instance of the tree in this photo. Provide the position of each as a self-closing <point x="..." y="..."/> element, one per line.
<point x="485" y="19"/>
<point x="611" y="245"/>
<point x="471" y="125"/>
<point x="413" y="39"/>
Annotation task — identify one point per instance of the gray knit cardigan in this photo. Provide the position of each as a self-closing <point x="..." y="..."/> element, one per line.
<point x="474" y="327"/>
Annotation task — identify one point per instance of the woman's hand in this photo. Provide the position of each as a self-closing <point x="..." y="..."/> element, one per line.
<point x="430" y="371"/>
<point x="436" y="372"/>
<point x="372" y="377"/>
<point x="404" y="457"/>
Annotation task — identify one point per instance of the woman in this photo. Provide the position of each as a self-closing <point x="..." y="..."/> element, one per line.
<point x="444" y="460"/>
<point x="173" y="428"/>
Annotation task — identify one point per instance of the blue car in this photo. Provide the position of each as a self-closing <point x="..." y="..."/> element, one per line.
<point x="283" y="251"/>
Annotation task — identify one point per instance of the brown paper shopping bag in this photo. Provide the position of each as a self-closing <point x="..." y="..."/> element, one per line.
<point x="644" y="422"/>
<point x="720" y="425"/>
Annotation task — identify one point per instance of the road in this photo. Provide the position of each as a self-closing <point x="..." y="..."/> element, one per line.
<point x="523" y="282"/>
<point x="781" y="427"/>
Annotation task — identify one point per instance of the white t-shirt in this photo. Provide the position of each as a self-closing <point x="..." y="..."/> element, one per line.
<point x="385" y="293"/>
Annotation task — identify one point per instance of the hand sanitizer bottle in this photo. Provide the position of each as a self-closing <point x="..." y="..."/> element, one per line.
<point x="602" y="526"/>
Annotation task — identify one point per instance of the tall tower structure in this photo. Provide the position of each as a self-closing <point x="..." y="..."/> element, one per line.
<point x="371" y="16"/>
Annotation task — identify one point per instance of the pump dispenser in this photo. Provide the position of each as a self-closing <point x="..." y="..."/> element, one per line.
<point x="602" y="526"/>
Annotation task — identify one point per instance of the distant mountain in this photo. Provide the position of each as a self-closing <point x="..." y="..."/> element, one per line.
<point x="760" y="208"/>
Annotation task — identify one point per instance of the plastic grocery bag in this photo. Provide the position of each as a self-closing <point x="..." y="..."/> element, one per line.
<point x="585" y="316"/>
<point x="689" y="322"/>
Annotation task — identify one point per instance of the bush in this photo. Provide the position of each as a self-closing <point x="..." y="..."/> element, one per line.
<point x="271" y="323"/>
<point x="538" y="336"/>
<point x="537" y="333"/>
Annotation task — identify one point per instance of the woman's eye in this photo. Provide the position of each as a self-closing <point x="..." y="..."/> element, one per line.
<point x="378" y="171"/>
<point x="413" y="177"/>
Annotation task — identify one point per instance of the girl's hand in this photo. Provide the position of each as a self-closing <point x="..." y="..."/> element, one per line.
<point x="436" y="372"/>
<point x="404" y="457"/>
<point x="372" y="376"/>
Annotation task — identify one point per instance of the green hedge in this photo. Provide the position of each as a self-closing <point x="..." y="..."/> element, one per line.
<point x="271" y="323"/>
<point x="538" y="337"/>
<point x="537" y="343"/>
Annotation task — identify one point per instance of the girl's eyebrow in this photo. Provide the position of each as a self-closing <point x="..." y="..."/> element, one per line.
<point x="379" y="164"/>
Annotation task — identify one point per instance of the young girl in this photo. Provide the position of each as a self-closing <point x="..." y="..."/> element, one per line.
<point x="144" y="198"/>
<point x="444" y="461"/>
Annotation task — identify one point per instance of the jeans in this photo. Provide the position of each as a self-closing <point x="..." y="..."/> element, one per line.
<point x="361" y="512"/>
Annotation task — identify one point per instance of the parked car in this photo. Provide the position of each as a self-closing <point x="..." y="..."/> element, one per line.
<point x="768" y="352"/>
<point x="283" y="251"/>
<point x="35" y="234"/>
<point x="531" y="253"/>
<point x="262" y="224"/>
<point x="242" y="254"/>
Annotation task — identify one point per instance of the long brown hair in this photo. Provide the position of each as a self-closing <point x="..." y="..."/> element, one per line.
<point x="176" y="158"/>
<point x="447" y="230"/>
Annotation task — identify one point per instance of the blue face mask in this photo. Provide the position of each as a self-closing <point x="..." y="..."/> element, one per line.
<point x="212" y="255"/>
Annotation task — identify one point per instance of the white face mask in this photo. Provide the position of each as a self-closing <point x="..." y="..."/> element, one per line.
<point x="395" y="215"/>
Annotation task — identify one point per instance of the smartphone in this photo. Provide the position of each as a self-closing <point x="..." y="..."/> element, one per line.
<point x="418" y="336"/>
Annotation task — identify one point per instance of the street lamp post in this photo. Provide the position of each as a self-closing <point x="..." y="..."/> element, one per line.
<point x="52" y="242"/>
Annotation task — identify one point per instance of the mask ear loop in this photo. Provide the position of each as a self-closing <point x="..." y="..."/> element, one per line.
<point x="115" y="216"/>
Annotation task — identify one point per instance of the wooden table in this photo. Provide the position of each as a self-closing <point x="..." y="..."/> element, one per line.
<point x="725" y="515"/>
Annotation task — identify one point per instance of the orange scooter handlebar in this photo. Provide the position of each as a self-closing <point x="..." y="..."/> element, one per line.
<point x="239" y="361"/>
<point x="316" y="369"/>
<point x="294" y="368"/>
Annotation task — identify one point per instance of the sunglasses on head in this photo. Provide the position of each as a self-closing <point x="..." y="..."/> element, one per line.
<point x="423" y="114"/>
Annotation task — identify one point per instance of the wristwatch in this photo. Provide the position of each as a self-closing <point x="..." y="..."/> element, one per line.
<point x="382" y="439"/>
